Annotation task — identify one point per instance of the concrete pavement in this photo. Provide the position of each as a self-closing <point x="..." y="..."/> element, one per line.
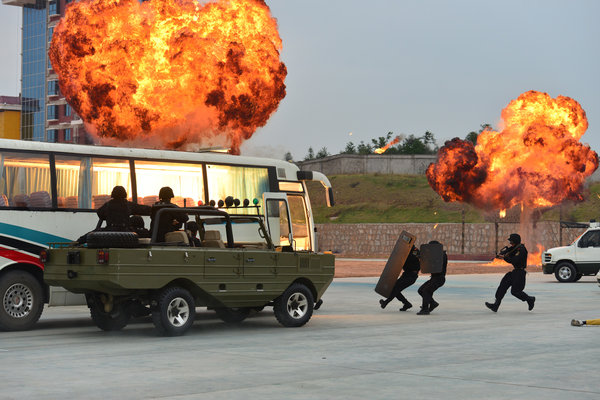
<point x="351" y="349"/>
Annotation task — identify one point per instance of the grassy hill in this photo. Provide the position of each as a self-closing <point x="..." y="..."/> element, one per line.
<point x="409" y="198"/>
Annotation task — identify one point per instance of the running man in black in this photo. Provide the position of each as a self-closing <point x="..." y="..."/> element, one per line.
<point x="515" y="254"/>
<point x="409" y="276"/>
<point x="436" y="281"/>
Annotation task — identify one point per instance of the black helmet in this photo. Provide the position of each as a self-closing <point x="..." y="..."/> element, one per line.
<point x="118" y="192"/>
<point x="165" y="193"/>
<point x="515" y="238"/>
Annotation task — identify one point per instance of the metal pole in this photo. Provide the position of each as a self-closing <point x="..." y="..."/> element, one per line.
<point x="462" y="245"/>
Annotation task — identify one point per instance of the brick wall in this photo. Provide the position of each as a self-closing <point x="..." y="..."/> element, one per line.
<point x="378" y="240"/>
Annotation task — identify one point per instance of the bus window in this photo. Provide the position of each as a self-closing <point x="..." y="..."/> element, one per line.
<point x="300" y="225"/>
<point x="86" y="182"/>
<point x="239" y="182"/>
<point x="186" y="180"/>
<point x="24" y="180"/>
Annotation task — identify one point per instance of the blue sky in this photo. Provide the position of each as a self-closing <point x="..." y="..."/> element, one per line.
<point x="357" y="69"/>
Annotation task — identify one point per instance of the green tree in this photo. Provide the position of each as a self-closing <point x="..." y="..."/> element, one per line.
<point x="322" y="153"/>
<point x="310" y="155"/>
<point x="413" y="145"/>
<point x="364" y="148"/>
<point x="472" y="136"/>
<point x="350" y="149"/>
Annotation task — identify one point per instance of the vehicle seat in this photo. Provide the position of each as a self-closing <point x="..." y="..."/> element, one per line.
<point x="177" y="237"/>
<point x="212" y="239"/>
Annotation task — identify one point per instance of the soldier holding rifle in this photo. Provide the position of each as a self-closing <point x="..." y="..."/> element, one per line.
<point x="515" y="254"/>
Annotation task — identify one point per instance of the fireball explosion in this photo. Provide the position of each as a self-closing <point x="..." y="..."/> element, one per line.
<point x="170" y="73"/>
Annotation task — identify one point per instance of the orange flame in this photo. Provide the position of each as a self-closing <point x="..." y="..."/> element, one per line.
<point x="170" y="73"/>
<point x="535" y="160"/>
<point x="383" y="149"/>
<point x="502" y="213"/>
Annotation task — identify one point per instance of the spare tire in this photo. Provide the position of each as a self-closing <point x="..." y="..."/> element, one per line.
<point x="97" y="240"/>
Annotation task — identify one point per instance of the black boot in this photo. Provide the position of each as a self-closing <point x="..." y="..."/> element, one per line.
<point x="406" y="306"/>
<point x="531" y="302"/>
<point x="433" y="305"/>
<point x="383" y="303"/>
<point x="493" y="306"/>
<point x="423" y="311"/>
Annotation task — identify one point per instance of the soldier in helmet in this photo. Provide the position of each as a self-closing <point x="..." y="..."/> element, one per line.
<point x="117" y="210"/>
<point x="169" y="221"/>
<point x="515" y="254"/>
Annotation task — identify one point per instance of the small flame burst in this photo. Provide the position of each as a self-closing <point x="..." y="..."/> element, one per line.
<point x="535" y="161"/>
<point x="383" y="149"/>
<point x="502" y="213"/>
<point x="170" y="73"/>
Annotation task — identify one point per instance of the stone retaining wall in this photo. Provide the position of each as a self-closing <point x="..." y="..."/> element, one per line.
<point x="378" y="240"/>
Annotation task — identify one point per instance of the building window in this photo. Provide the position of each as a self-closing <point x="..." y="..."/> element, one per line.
<point x="53" y="8"/>
<point x="67" y="110"/>
<point x="52" y="135"/>
<point x="50" y="33"/>
<point x="53" y="88"/>
<point x="68" y="135"/>
<point x="52" y="112"/>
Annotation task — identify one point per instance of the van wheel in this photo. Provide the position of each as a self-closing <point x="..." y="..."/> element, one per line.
<point x="232" y="315"/>
<point x="175" y="311"/>
<point x="565" y="272"/>
<point x="22" y="301"/>
<point x="295" y="306"/>
<point x="112" y="321"/>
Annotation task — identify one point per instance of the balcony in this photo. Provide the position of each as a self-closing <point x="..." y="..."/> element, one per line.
<point x="19" y="3"/>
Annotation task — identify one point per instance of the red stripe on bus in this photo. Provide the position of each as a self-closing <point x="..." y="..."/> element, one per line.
<point x="19" y="257"/>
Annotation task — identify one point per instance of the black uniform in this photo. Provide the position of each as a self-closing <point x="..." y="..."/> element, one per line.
<point x="169" y="221"/>
<point x="409" y="276"/>
<point x="116" y="213"/>
<point x="436" y="281"/>
<point x="515" y="279"/>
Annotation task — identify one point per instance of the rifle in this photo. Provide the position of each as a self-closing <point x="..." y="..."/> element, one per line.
<point x="507" y="251"/>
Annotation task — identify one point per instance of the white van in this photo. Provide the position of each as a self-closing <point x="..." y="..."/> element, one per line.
<point x="582" y="257"/>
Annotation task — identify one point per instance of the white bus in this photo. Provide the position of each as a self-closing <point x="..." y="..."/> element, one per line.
<point x="50" y="193"/>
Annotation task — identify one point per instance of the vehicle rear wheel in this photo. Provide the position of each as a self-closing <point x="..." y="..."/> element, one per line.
<point x="22" y="301"/>
<point x="115" y="320"/>
<point x="175" y="311"/>
<point x="295" y="306"/>
<point x="232" y="315"/>
<point x="565" y="272"/>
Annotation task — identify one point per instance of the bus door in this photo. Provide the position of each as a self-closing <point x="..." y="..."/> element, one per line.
<point x="277" y="215"/>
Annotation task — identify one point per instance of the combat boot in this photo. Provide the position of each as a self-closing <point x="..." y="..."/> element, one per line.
<point x="406" y="306"/>
<point x="531" y="302"/>
<point x="433" y="305"/>
<point x="493" y="306"/>
<point x="423" y="311"/>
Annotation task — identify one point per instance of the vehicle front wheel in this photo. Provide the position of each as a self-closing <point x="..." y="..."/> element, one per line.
<point x="295" y="306"/>
<point x="22" y="301"/>
<point x="565" y="272"/>
<point x="115" y="320"/>
<point x="232" y="315"/>
<point x="175" y="311"/>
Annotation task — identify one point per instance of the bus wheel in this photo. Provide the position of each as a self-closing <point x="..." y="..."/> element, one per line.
<point x="22" y="301"/>
<point x="232" y="315"/>
<point x="174" y="312"/>
<point x="112" y="321"/>
<point x="295" y="306"/>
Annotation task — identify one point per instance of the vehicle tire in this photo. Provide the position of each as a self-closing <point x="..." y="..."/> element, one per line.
<point x="22" y="299"/>
<point x="232" y="315"/>
<point x="175" y="311"/>
<point x="295" y="306"/>
<point x="97" y="240"/>
<point x="112" y="321"/>
<point x="565" y="272"/>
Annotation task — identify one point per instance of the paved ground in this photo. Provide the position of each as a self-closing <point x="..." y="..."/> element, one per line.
<point x="351" y="349"/>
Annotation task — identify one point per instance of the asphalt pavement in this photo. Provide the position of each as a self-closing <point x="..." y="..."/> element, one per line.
<point x="350" y="349"/>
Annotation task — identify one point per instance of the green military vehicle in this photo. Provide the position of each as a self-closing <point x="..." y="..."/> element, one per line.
<point x="237" y="269"/>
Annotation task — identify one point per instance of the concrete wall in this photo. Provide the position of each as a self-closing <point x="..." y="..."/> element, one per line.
<point x="370" y="164"/>
<point x="378" y="240"/>
<point x="341" y="164"/>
